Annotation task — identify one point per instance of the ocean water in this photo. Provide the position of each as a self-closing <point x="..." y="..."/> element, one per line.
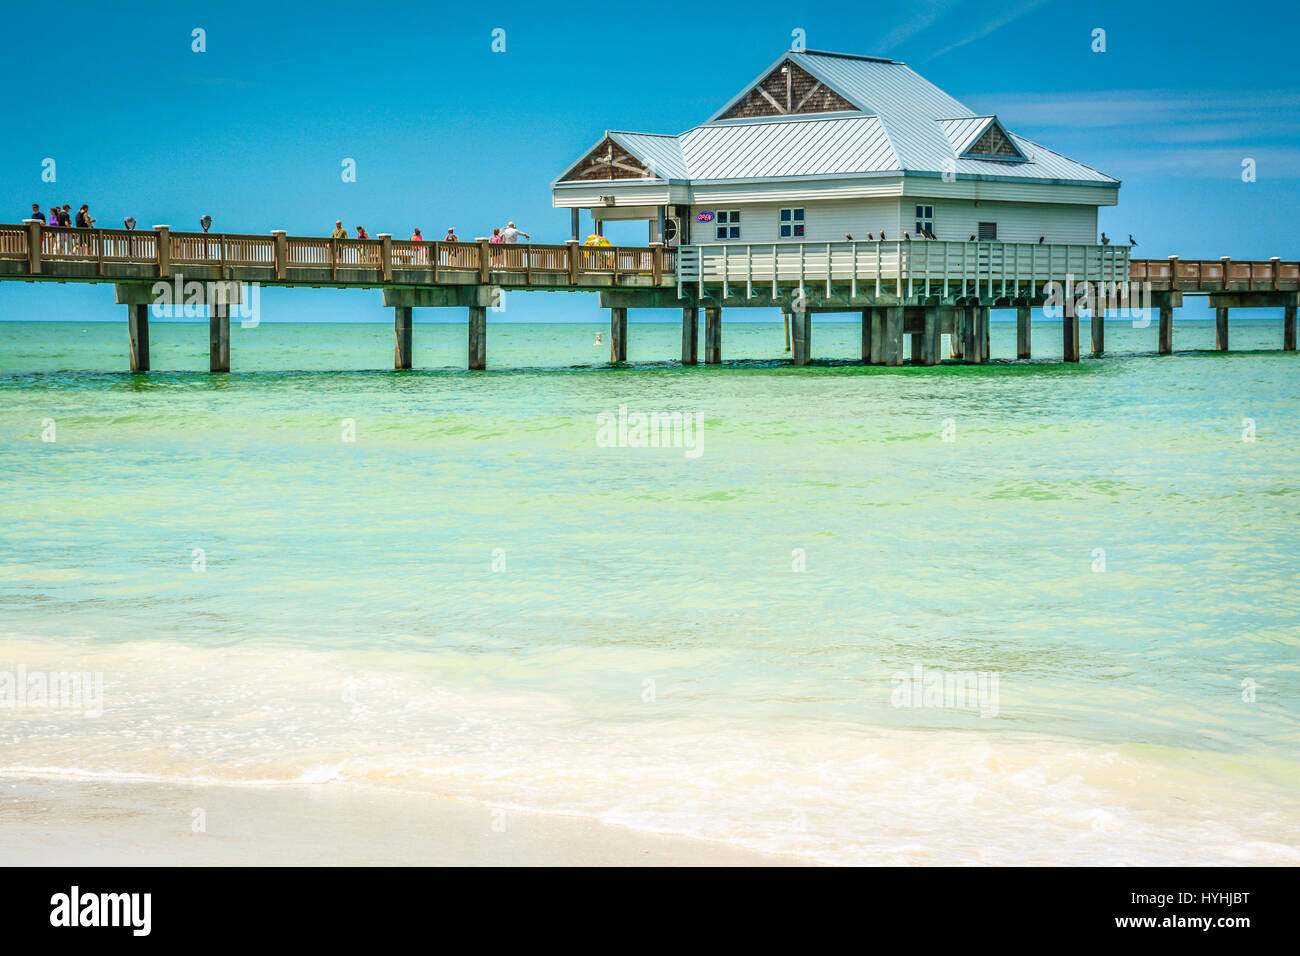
<point x="475" y="598"/>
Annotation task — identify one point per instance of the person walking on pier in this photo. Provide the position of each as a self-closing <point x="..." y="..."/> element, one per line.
<point x="339" y="231"/>
<point x="451" y="235"/>
<point x="83" y="222"/>
<point x="512" y="234"/>
<point x="36" y="213"/>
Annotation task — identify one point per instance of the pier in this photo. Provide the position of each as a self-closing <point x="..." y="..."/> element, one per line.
<point x="907" y="292"/>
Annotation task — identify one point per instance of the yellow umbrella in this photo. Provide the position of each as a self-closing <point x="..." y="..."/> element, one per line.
<point x="595" y="240"/>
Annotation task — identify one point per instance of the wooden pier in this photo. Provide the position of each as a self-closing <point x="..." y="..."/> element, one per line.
<point x="924" y="289"/>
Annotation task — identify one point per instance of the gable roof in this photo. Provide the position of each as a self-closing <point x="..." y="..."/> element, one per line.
<point x="853" y="116"/>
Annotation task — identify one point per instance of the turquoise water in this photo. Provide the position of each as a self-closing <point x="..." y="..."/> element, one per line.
<point x="474" y="598"/>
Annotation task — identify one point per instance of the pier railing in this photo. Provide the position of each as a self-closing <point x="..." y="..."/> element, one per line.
<point x="904" y="268"/>
<point x="279" y="256"/>
<point x="1217" y="275"/>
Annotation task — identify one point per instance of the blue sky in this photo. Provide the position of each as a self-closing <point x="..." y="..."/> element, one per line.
<point x="446" y="132"/>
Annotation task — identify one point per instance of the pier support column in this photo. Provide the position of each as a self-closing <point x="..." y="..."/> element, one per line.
<point x="955" y="334"/>
<point x="1165" y="344"/>
<point x="402" y="336"/>
<point x="713" y="336"/>
<point x="1069" y="331"/>
<point x="800" y="337"/>
<point x="618" y="335"/>
<point x="877" y="336"/>
<point x="1098" y="329"/>
<point x="1023" y="336"/>
<point x="969" y="328"/>
<point x="1288" y="328"/>
<point x="477" y="338"/>
<point x="892" y="347"/>
<point x="930" y="338"/>
<point x="916" y="345"/>
<point x="866" y="335"/>
<point x="1221" y="329"/>
<point x="690" y="335"/>
<point x="218" y="337"/>
<point x="785" y="320"/>
<point x="137" y="332"/>
<point x="984" y="316"/>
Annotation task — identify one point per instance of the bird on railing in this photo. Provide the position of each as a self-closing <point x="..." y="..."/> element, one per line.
<point x="129" y="222"/>
<point x="1131" y="240"/>
<point x="882" y="235"/>
<point x="906" y="236"/>
<point x="1105" y="239"/>
<point x="848" y="237"/>
<point x="206" y="223"/>
<point x="972" y="237"/>
<point x="929" y="234"/>
<point x="1040" y="240"/>
<point x="871" y="237"/>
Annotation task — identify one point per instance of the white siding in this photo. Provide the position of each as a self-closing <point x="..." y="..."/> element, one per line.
<point x="796" y="190"/>
<point x="824" y="221"/>
<point x="1011" y="192"/>
<point x="956" y="220"/>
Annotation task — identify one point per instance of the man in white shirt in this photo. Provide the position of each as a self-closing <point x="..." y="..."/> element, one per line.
<point x="511" y="234"/>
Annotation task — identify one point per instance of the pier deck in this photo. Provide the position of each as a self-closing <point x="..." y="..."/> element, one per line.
<point x="919" y="288"/>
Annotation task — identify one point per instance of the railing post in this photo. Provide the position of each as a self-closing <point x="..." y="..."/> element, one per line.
<point x="484" y="259"/>
<point x="1173" y="273"/>
<point x="657" y="263"/>
<point x="1275" y="262"/>
<point x="1227" y="265"/>
<point x="281" y="252"/>
<point x="163" y="250"/>
<point x="386" y="256"/>
<point x="33" y="246"/>
<point x="572" y="252"/>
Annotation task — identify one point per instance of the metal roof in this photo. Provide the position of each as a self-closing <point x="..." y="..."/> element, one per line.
<point x="809" y="147"/>
<point x="663" y="154"/>
<point x="907" y="126"/>
<point x="963" y="132"/>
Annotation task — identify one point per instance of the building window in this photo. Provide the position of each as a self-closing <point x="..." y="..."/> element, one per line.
<point x="791" y="223"/>
<point x="924" y="220"/>
<point x="727" y="224"/>
<point x="988" y="232"/>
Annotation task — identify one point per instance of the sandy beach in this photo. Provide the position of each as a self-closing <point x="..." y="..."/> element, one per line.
<point x="48" y="822"/>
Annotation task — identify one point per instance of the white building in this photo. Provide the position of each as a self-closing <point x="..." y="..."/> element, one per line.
<point x="826" y="146"/>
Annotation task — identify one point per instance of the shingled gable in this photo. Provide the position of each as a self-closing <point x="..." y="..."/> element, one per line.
<point x="787" y="90"/>
<point x="994" y="143"/>
<point x="609" y="161"/>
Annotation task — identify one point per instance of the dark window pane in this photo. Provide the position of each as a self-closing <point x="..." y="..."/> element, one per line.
<point x="785" y="215"/>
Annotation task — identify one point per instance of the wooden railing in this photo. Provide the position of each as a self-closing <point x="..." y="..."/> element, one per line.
<point x="900" y="267"/>
<point x="278" y="254"/>
<point x="1223" y="274"/>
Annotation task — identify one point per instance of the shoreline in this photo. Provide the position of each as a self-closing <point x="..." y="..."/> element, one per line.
<point x="50" y="821"/>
